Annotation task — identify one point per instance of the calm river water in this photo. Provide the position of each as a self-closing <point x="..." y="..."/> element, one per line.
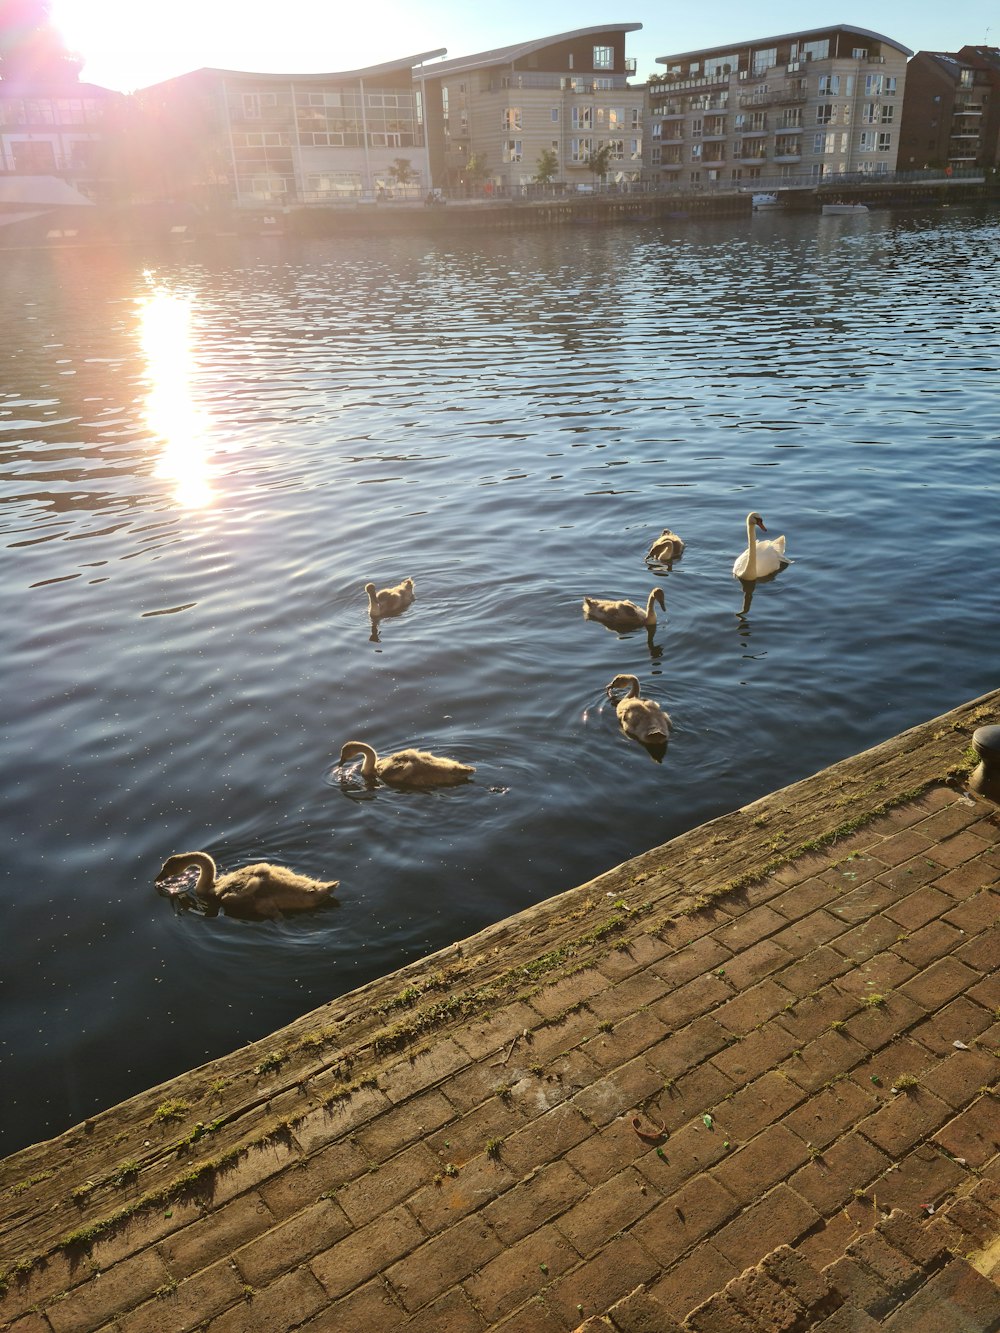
<point x="207" y="453"/>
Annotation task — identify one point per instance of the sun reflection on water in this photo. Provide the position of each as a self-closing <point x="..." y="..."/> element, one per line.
<point x="171" y="412"/>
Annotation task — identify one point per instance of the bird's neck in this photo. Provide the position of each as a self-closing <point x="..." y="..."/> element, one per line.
<point x="751" y="569"/>
<point x="205" y="888"/>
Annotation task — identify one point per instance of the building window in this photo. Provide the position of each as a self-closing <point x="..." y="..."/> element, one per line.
<point x="513" y="150"/>
<point x="829" y="85"/>
<point x="873" y="85"/>
<point x="884" y="142"/>
<point x="696" y="152"/>
<point x="888" y="114"/>
<point x="580" y="149"/>
<point x="870" y="113"/>
<point x="554" y="115"/>
<point x="510" y="118"/>
<point x="825" y="143"/>
<point x="251" y="106"/>
<point x="634" y="118"/>
<point x="825" y="114"/>
<point x="889" y="89"/>
<point x="867" y="141"/>
<point x="816" y="50"/>
<point x="604" y="57"/>
<point x="696" y="128"/>
<point x="859" y="53"/>
<point x="655" y="157"/>
<point x="583" y="117"/>
<point x="635" y="149"/>
<point x="764" y="60"/>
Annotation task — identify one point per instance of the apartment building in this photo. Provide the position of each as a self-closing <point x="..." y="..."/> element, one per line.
<point x="796" y="107"/>
<point x="951" y="109"/>
<point x="492" y="116"/>
<point x="271" y="140"/>
<point x="57" y="129"/>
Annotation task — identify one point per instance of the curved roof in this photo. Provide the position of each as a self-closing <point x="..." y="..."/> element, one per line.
<point x="784" y="37"/>
<point x="370" y="71"/>
<point x="502" y="55"/>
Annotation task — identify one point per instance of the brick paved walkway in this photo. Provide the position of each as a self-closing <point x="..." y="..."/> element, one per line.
<point x="803" y="995"/>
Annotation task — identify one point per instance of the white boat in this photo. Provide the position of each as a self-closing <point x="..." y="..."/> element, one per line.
<point x="844" y="208"/>
<point x="765" y="201"/>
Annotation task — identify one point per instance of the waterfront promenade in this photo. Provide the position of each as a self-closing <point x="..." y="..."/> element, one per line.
<point x="744" y="1081"/>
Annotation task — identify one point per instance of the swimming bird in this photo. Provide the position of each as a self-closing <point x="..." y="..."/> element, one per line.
<point x="407" y="768"/>
<point x="668" y="546"/>
<point x="389" y="601"/>
<point x="643" y="719"/>
<point x="760" y="558"/>
<point x="624" y="615"/>
<point x="254" y="892"/>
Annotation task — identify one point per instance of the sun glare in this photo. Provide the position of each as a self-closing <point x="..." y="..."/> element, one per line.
<point x="171" y="412"/>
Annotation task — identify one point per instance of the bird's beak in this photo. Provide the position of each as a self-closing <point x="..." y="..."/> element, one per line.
<point x="760" y="524"/>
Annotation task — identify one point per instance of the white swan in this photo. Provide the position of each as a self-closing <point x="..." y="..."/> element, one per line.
<point x="254" y="892"/>
<point x="668" y="546"/>
<point x="389" y="601"/>
<point x="408" y="768"/>
<point x="624" y="615"/>
<point x="760" y="558"/>
<point x="643" y="719"/>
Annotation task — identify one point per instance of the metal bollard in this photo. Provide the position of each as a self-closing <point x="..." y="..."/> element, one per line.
<point x="985" y="779"/>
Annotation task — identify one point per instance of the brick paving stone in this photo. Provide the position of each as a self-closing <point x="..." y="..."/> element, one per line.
<point x="962" y="846"/>
<point x="534" y="1317"/>
<point x="987" y="993"/>
<point x="384" y="1135"/>
<point x="877" y="1074"/>
<point x="291" y="1242"/>
<point x="633" y="1035"/>
<point x="190" y="1305"/>
<point x="537" y="1198"/>
<point x="438" y="1264"/>
<point x="867" y="900"/>
<point x="906" y="1119"/>
<point x="825" y="1244"/>
<point x="608" y="1208"/>
<point x="895" y="1268"/>
<point x="307" y="1179"/>
<point x="880" y="974"/>
<point x="693" y="1280"/>
<point x="453" y="1312"/>
<point x="981" y="952"/>
<point x="289" y="1300"/>
<point x="756" y="1106"/>
<point x="859" y="1286"/>
<point x="554" y="1038"/>
<point x="690" y="1151"/>
<point x="768" y="1304"/>
<point x="875" y="1025"/>
<point x="752" y="1007"/>
<point x="758" y="1052"/>
<point x="720" y="1314"/>
<point x="483" y="1038"/>
<point x="462" y="1139"/>
<point x="619" y="1091"/>
<point x="689" y="1046"/>
<point x="811" y="973"/>
<point x="940" y="982"/>
<point x="848" y="1319"/>
<point x="755" y="962"/>
<point x="452" y="1196"/>
<point x="871" y="937"/>
<point x="374" y="1193"/>
<point x="976" y="913"/>
<point x="929" y="942"/>
<point x="961" y="1076"/>
<point x="829" y="1113"/>
<point x="822" y="1060"/>
<point x="749" y="927"/>
<point x="962" y="1020"/>
<point x="781" y="1217"/>
<point x="691" y="962"/>
<point x="602" y="1280"/>
<point x="830" y="1179"/>
<point x="695" y="1091"/>
<point x="684" y="1219"/>
<point x="519" y="1272"/>
<point x="902" y="846"/>
<point x="366" y="1252"/>
<point x="691" y="1000"/>
<point x="630" y="995"/>
<point x="915" y="911"/>
<point x="251" y="1169"/>
<point x="954" y="819"/>
<point x="967" y="880"/>
<point x="804" y="898"/>
<point x="813" y="1015"/>
<point x="974" y="1134"/>
<point x="771" y="1156"/>
<point x="923" y="1177"/>
<point x="217" y="1234"/>
<point x="550" y="1135"/>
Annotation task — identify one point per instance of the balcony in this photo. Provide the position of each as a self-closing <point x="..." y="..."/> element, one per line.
<point x="630" y="66"/>
<point x="788" y="157"/>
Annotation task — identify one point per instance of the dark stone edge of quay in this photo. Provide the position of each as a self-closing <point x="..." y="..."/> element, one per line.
<point x="61" y="1194"/>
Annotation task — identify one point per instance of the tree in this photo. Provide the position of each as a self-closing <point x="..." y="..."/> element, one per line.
<point x="547" y="167"/>
<point x="402" y="172"/>
<point x="31" y="49"/>
<point x="476" y="167"/>
<point x="598" y="161"/>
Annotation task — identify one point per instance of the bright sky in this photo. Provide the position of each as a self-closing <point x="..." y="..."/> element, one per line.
<point x="125" y="45"/>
